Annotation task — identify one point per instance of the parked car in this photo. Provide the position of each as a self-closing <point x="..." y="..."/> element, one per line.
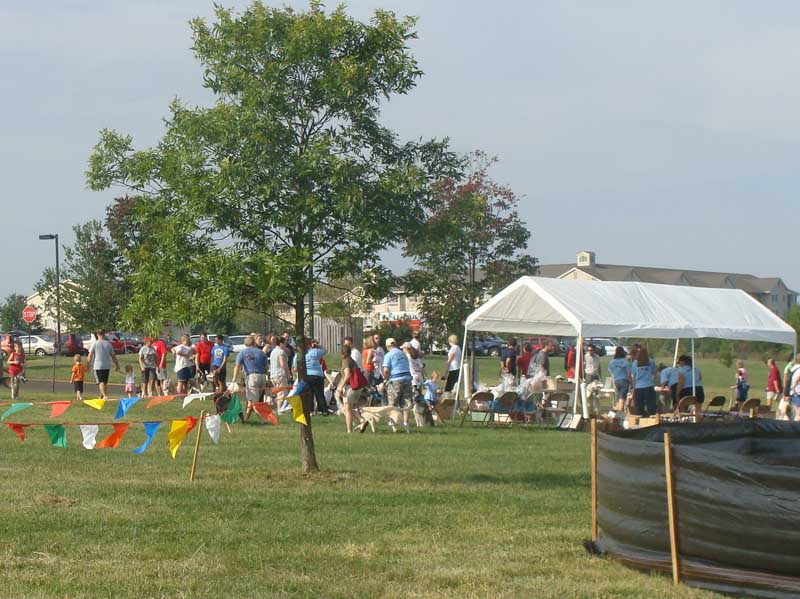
<point x="237" y="342"/>
<point x="489" y="345"/>
<point x="130" y="344"/>
<point x="38" y="345"/>
<point x="88" y="340"/>
<point x="606" y="346"/>
<point x="72" y="344"/>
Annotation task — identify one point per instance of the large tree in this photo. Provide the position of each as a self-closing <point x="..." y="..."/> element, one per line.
<point x="287" y="180"/>
<point x="472" y="244"/>
<point x="93" y="286"/>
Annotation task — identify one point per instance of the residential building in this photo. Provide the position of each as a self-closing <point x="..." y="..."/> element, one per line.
<point x="770" y="291"/>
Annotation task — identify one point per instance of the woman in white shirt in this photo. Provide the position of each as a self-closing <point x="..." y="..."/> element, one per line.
<point x="453" y="363"/>
<point x="184" y="364"/>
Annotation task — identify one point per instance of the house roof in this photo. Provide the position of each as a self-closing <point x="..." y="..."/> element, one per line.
<point x="667" y="276"/>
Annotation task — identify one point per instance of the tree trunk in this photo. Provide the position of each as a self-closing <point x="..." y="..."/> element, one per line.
<point x="307" y="453"/>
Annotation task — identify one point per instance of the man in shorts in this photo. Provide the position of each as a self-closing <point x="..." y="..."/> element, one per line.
<point x="253" y="362"/>
<point x="397" y="371"/>
<point x="147" y="364"/>
<point x="202" y="358"/>
<point x="219" y="363"/>
<point x="101" y="358"/>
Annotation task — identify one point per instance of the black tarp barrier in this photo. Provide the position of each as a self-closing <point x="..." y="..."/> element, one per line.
<point x="737" y="492"/>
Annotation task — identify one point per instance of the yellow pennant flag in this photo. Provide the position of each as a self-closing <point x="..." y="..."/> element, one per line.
<point x="97" y="404"/>
<point x="297" y="409"/>
<point x="177" y="433"/>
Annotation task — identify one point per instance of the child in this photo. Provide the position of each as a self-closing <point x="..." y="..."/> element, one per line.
<point x="130" y="380"/>
<point x="16" y="369"/>
<point x="77" y="376"/>
<point x="742" y="385"/>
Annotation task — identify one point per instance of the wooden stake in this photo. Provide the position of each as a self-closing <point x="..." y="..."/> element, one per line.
<point x="673" y="519"/>
<point x="200" y="424"/>
<point x="595" y="528"/>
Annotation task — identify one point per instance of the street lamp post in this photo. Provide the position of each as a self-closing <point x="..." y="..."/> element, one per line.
<point x="54" y="237"/>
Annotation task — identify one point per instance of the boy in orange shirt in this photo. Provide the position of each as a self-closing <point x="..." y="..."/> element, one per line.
<point x="78" y="372"/>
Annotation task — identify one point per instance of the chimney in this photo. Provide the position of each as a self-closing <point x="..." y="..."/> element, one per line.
<point x="587" y="259"/>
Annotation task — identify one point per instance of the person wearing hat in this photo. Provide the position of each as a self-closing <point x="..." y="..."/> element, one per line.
<point x="415" y="342"/>
<point x="397" y="371"/>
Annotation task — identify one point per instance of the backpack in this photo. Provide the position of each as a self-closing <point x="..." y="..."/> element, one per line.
<point x="357" y="379"/>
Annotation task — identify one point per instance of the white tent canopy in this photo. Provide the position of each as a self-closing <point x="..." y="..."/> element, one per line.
<point x="534" y="305"/>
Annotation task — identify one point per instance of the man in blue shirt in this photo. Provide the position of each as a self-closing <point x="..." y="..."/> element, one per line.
<point x="397" y="373"/>
<point x="315" y="377"/>
<point x="254" y="363"/>
<point x="219" y="362"/>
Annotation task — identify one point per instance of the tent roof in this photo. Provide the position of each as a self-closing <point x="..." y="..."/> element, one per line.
<point x="534" y="305"/>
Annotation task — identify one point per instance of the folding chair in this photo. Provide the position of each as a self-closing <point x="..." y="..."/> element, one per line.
<point x="503" y="406"/>
<point x="555" y="405"/>
<point x="718" y="402"/>
<point x="687" y="410"/>
<point x="751" y="404"/>
<point x="481" y="403"/>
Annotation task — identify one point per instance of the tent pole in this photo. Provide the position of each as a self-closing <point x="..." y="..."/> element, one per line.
<point x="677" y="348"/>
<point x="460" y="377"/>
<point x="578" y="366"/>
<point x="694" y="376"/>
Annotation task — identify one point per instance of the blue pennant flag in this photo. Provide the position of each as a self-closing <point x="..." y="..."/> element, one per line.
<point x="298" y="388"/>
<point x="150" y="429"/>
<point x="125" y="405"/>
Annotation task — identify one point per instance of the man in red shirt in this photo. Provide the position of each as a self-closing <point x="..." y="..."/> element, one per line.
<point x="202" y="357"/>
<point x="774" y="383"/>
<point x="161" y="364"/>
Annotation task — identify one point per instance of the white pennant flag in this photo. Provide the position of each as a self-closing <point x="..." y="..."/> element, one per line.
<point x="89" y="432"/>
<point x="213" y="426"/>
<point x="192" y="396"/>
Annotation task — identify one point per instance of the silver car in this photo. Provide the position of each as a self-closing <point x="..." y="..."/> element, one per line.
<point x="39" y="345"/>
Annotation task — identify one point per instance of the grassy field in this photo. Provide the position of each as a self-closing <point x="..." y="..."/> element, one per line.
<point x="443" y="512"/>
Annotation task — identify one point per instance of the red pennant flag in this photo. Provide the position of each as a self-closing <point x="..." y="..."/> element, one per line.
<point x="114" y="438"/>
<point x="59" y="407"/>
<point x="19" y="429"/>
<point x="192" y="423"/>
<point x="265" y="411"/>
<point x="159" y="400"/>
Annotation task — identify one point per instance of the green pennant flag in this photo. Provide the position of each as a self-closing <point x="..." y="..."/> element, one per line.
<point x="57" y="434"/>
<point x="17" y="407"/>
<point x="233" y="411"/>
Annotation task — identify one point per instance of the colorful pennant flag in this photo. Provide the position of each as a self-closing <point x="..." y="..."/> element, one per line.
<point x="59" y="407"/>
<point x="89" y="432"/>
<point x="124" y="405"/>
<point x="150" y="429"/>
<point x="297" y="409"/>
<point x="265" y="411"/>
<point x="17" y="407"/>
<point x="112" y="441"/>
<point x="57" y="434"/>
<point x="19" y="429"/>
<point x="177" y="433"/>
<point x="97" y="404"/>
<point x="212" y="426"/>
<point x="159" y="400"/>
<point x="234" y="409"/>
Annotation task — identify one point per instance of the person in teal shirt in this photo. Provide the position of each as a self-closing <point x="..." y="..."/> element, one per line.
<point x="620" y="368"/>
<point x="644" y="387"/>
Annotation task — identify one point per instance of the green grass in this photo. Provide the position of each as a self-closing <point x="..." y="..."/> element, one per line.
<point x="443" y="512"/>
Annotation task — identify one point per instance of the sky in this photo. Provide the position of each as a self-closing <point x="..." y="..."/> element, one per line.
<point x="654" y="133"/>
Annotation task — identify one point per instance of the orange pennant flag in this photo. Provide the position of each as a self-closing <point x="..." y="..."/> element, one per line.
<point x="192" y="423"/>
<point x="265" y="411"/>
<point x="59" y="407"/>
<point x="114" y="438"/>
<point x="19" y="429"/>
<point x="159" y="400"/>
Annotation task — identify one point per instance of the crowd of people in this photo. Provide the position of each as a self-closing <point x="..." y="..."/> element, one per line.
<point x="394" y="374"/>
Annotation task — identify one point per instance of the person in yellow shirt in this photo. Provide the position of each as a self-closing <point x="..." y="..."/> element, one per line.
<point x="78" y="373"/>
